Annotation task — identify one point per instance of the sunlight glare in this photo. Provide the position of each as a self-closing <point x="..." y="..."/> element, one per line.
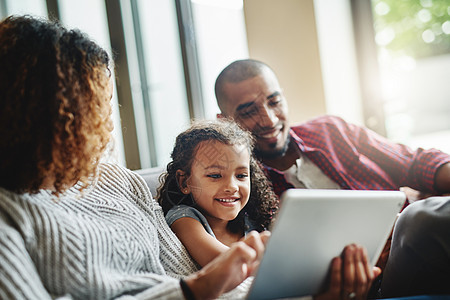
<point x="446" y="27"/>
<point x="382" y="8"/>
<point x="426" y="3"/>
<point x="424" y="15"/>
<point x="385" y="36"/>
<point x="228" y="4"/>
<point x="428" y="36"/>
<point x="406" y="63"/>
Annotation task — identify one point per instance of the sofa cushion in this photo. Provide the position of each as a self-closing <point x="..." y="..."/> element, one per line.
<point x="151" y="176"/>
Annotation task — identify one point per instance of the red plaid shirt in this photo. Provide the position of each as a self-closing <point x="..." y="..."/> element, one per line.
<point x="359" y="159"/>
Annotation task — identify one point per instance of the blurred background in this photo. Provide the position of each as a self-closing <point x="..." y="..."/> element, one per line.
<point x="384" y="64"/>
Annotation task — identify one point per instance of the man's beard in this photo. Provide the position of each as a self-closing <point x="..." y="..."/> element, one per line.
<point x="274" y="153"/>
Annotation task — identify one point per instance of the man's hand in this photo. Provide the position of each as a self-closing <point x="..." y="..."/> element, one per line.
<point x="442" y="179"/>
<point x="351" y="275"/>
<point x="413" y="195"/>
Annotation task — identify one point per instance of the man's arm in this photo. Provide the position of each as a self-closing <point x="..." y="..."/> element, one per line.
<point x="442" y="179"/>
<point x="418" y="169"/>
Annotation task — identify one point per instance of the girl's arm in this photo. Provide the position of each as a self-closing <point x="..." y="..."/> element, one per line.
<point x="202" y="246"/>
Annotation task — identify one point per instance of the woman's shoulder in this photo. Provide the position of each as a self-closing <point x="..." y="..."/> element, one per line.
<point x="112" y="168"/>
<point x="115" y="173"/>
<point x="119" y="178"/>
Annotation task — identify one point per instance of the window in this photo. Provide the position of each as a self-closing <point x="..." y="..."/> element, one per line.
<point x="33" y="7"/>
<point x="220" y="33"/>
<point x="161" y="109"/>
<point x="413" y="43"/>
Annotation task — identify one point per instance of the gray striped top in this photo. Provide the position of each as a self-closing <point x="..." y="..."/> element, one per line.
<point x="108" y="241"/>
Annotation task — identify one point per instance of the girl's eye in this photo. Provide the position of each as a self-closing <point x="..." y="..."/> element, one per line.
<point x="214" y="176"/>
<point x="243" y="175"/>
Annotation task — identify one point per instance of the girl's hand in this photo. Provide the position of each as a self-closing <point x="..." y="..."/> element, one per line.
<point x="351" y="275"/>
<point x="230" y="268"/>
<point x="254" y="243"/>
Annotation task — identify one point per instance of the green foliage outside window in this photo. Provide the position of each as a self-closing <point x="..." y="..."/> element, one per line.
<point x="416" y="28"/>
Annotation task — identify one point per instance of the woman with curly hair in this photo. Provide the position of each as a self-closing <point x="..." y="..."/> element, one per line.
<point x="213" y="191"/>
<point x="73" y="227"/>
<point x="54" y="93"/>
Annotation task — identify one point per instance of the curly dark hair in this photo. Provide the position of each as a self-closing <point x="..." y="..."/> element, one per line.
<point x="54" y="105"/>
<point x="262" y="204"/>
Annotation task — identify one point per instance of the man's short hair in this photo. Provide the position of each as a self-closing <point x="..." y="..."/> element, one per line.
<point x="235" y="72"/>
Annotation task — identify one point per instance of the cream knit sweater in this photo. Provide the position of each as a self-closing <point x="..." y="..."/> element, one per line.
<point x="109" y="241"/>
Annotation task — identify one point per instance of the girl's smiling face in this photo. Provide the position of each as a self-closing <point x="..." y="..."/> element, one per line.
<point x="220" y="180"/>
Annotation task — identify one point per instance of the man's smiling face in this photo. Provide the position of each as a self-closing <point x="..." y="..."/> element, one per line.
<point x="258" y="105"/>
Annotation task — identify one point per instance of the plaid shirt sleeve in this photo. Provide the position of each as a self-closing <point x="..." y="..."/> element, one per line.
<point x="404" y="166"/>
<point x="360" y="159"/>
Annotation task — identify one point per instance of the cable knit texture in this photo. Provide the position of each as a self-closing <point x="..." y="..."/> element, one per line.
<point x="109" y="241"/>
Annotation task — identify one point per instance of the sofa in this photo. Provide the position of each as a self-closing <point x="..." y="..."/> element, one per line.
<point x="151" y="176"/>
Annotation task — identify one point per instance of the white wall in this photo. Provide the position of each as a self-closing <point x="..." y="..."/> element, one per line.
<point x="283" y="34"/>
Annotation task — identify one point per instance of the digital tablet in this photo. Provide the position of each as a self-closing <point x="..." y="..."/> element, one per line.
<point x="312" y="227"/>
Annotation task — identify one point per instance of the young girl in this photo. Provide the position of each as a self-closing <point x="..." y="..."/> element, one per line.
<point x="213" y="191"/>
